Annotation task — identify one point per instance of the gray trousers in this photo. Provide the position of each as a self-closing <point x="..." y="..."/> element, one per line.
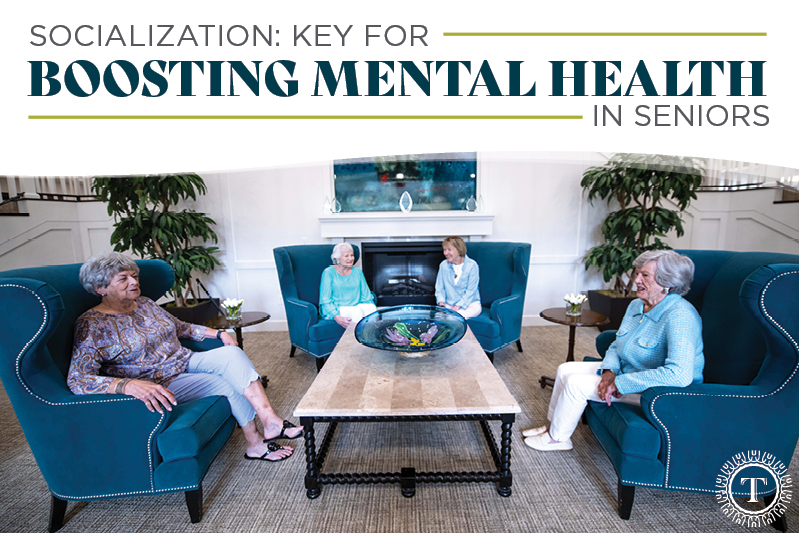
<point x="224" y="371"/>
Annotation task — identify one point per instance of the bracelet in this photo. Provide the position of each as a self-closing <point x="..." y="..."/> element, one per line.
<point x="120" y="388"/>
<point x="219" y="334"/>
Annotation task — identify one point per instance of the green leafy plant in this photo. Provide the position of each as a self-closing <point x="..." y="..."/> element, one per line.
<point x="639" y="183"/>
<point x="146" y="225"/>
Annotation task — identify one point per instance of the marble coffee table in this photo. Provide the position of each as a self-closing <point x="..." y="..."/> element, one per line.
<point x="362" y="384"/>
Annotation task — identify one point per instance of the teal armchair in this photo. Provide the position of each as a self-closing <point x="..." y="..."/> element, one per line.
<point x="504" y="267"/>
<point x="299" y="269"/>
<point x="105" y="446"/>
<point x="679" y="438"/>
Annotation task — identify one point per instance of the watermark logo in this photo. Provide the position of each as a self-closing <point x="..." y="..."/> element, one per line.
<point x="745" y="476"/>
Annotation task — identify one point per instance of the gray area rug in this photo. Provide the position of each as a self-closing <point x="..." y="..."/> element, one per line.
<point x="554" y="491"/>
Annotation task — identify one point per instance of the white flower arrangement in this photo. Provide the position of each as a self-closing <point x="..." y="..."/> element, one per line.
<point x="575" y="299"/>
<point x="233" y="305"/>
<point x="575" y="304"/>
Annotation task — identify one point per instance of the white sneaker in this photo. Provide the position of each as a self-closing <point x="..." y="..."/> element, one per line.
<point x="544" y="443"/>
<point x="535" y="431"/>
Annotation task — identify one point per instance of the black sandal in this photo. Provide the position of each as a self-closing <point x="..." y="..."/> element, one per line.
<point x="282" y="434"/>
<point x="271" y="448"/>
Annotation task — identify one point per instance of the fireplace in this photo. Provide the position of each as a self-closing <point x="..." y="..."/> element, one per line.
<point x="401" y="273"/>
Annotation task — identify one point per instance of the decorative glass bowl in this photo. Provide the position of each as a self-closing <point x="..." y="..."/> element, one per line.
<point x="411" y="328"/>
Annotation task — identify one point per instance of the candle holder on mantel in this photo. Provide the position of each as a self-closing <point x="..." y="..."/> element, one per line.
<point x="406" y="202"/>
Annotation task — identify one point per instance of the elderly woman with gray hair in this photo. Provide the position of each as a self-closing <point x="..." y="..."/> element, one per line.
<point x="344" y="295"/>
<point x="129" y="345"/>
<point x="659" y="343"/>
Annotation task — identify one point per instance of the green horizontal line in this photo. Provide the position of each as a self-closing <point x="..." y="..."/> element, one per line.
<point x="604" y="34"/>
<point x="305" y="117"/>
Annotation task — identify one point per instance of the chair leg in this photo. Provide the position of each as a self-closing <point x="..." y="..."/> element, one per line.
<point x="490" y="357"/>
<point x="626" y="494"/>
<point x="320" y="362"/>
<point x="781" y="523"/>
<point x="519" y="345"/>
<point x="194" y="500"/>
<point x="293" y="349"/>
<point x="58" y="509"/>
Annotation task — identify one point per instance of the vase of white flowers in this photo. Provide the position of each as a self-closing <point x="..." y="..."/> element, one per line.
<point x="232" y="309"/>
<point x="574" y="304"/>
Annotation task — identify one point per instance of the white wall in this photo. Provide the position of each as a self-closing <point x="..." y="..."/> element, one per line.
<point x="533" y="198"/>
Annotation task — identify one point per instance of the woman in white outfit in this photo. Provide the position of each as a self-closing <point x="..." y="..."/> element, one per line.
<point x="659" y="343"/>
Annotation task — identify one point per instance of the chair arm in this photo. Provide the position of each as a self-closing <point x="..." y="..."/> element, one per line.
<point x="704" y="425"/>
<point x="108" y="441"/>
<point x="507" y="312"/>
<point x="301" y="315"/>
<point x="201" y="346"/>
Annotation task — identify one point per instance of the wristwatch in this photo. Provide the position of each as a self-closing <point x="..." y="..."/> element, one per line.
<point x="219" y="334"/>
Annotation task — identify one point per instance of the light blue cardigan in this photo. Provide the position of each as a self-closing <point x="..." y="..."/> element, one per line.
<point x="661" y="347"/>
<point x="467" y="289"/>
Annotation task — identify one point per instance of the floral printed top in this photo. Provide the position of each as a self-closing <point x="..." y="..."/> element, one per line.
<point x="141" y="344"/>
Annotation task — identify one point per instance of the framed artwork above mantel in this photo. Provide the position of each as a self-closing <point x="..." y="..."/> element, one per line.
<point x="434" y="182"/>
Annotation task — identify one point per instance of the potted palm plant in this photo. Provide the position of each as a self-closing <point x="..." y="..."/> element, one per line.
<point x="148" y="225"/>
<point x="638" y="184"/>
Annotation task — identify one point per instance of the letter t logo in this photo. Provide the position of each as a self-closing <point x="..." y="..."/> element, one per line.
<point x="753" y="486"/>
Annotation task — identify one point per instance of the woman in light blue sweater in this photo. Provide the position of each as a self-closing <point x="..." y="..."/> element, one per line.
<point x="659" y="343"/>
<point x="458" y="280"/>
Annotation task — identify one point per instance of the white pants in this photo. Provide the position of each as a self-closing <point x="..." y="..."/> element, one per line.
<point x="356" y="312"/>
<point x="470" y="311"/>
<point x="575" y="386"/>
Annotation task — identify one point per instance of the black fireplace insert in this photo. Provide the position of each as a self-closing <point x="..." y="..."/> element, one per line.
<point x="402" y="273"/>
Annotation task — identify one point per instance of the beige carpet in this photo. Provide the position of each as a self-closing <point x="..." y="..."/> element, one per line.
<point x="563" y="491"/>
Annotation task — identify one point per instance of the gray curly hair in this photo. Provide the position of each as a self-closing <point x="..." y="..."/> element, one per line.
<point x="674" y="271"/>
<point x="339" y="249"/>
<point x="98" y="270"/>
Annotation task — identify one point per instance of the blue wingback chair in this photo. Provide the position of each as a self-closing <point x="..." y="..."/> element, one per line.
<point x="679" y="438"/>
<point x="504" y="267"/>
<point x="299" y="269"/>
<point x="95" y="447"/>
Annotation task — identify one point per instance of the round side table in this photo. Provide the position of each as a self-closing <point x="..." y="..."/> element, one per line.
<point x="248" y="318"/>
<point x="558" y="316"/>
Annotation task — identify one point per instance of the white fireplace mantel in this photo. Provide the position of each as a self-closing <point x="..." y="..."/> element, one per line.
<point x="341" y="226"/>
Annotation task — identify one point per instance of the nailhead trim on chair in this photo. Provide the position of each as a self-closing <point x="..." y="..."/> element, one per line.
<point x="19" y="377"/>
<point x="120" y="494"/>
<point x="652" y="405"/>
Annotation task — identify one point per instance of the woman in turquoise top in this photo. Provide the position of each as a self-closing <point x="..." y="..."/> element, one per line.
<point x="344" y="295"/>
<point x="659" y="343"/>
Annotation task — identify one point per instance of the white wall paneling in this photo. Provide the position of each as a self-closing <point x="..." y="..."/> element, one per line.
<point x="533" y="197"/>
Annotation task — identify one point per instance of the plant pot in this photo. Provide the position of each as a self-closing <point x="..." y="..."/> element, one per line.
<point x="195" y="314"/>
<point x="611" y="304"/>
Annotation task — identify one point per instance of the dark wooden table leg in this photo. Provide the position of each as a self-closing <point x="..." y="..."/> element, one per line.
<point x="239" y="338"/>
<point x="505" y="477"/>
<point x="570" y="357"/>
<point x="313" y="489"/>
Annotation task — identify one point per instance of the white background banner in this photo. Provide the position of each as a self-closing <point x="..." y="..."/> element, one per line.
<point x="37" y="140"/>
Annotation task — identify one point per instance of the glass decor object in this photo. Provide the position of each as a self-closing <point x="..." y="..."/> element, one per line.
<point x="406" y="202"/>
<point x="435" y="181"/>
<point x="471" y="205"/>
<point x="335" y="206"/>
<point x="232" y="307"/>
<point x="411" y="328"/>
<point x="326" y="207"/>
<point x="574" y="304"/>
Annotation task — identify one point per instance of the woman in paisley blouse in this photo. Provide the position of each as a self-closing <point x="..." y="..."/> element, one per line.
<point x="129" y="345"/>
